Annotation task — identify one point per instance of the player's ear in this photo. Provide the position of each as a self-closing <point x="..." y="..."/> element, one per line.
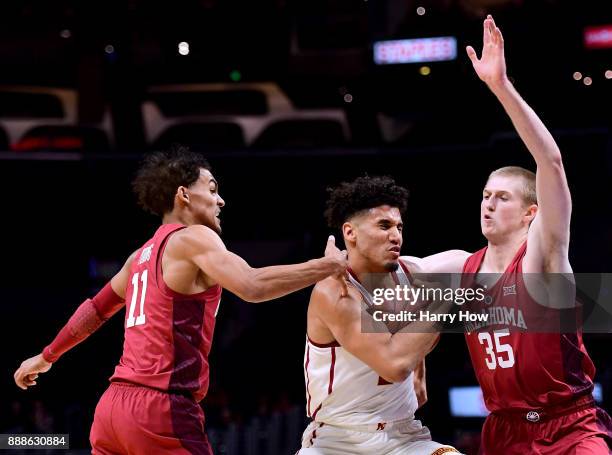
<point x="531" y="212"/>
<point x="182" y="195"/>
<point x="348" y="231"/>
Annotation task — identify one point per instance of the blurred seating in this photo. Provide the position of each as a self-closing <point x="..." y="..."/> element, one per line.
<point x="4" y="143"/>
<point x="63" y="138"/>
<point x="24" y="109"/>
<point x="211" y="102"/>
<point x="253" y="107"/>
<point x="201" y="136"/>
<point x="301" y="134"/>
<point x="19" y="102"/>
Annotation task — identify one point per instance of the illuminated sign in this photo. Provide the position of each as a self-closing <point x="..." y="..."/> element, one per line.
<point x="468" y="401"/>
<point x="598" y="37"/>
<point x="418" y="50"/>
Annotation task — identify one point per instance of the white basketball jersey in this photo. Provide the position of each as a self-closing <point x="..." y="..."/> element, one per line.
<point x="342" y="390"/>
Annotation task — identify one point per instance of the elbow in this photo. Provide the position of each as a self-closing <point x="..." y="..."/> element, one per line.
<point x="557" y="161"/>
<point x="251" y="296"/>
<point x="396" y="375"/>
<point x="553" y="160"/>
<point x="250" y="287"/>
<point x="252" y="291"/>
<point x="399" y="371"/>
<point x="256" y="297"/>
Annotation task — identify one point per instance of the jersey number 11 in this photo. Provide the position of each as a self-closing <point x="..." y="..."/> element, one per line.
<point x="141" y="319"/>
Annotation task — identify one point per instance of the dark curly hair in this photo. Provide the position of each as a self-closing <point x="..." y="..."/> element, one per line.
<point x="161" y="173"/>
<point x="363" y="193"/>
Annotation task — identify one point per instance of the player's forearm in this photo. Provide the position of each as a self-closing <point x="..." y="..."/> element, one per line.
<point x="81" y="324"/>
<point x="420" y="383"/>
<point x="272" y="282"/>
<point x="408" y="349"/>
<point x="88" y="318"/>
<point x="528" y="125"/>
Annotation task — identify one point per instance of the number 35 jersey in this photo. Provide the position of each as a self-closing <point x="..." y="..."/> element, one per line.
<point x="168" y="335"/>
<point x="517" y="365"/>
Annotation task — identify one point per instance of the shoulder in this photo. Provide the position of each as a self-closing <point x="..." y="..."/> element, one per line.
<point x="325" y="290"/>
<point x="119" y="282"/>
<point x="196" y="238"/>
<point x="457" y="259"/>
<point x="326" y="300"/>
<point x="413" y="264"/>
<point x="193" y="241"/>
<point x="131" y="257"/>
<point x="450" y="261"/>
<point x="127" y="265"/>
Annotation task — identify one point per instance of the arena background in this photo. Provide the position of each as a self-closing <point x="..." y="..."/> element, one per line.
<point x="70" y="218"/>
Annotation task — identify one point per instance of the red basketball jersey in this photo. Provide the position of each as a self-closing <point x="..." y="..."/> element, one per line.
<point x="517" y="368"/>
<point x="168" y="335"/>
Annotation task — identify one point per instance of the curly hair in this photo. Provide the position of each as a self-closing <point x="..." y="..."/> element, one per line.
<point x="348" y="199"/>
<point x="161" y="173"/>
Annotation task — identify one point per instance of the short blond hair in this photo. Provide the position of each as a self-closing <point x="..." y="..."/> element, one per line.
<point x="528" y="177"/>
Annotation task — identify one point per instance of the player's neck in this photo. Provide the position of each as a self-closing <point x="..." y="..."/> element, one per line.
<point x="500" y="253"/>
<point x="175" y="218"/>
<point x="370" y="277"/>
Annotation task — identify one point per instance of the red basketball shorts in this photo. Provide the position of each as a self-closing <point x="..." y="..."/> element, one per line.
<point x="138" y="420"/>
<point x="579" y="429"/>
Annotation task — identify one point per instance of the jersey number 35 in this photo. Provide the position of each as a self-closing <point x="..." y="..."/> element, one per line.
<point x="498" y="353"/>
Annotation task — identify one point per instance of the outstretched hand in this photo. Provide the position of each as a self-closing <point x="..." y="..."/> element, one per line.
<point x="341" y="259"/>
<point x="28" y="371"/>
<point x="491" y="66"/>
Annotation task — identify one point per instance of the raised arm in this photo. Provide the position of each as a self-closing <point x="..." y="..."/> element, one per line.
<point x="393" y="357"/>
<point x="87" y="318"/>
<point x="450" y="261"/>
<point x="548" y="239"/>
<point x="233" y="273"/>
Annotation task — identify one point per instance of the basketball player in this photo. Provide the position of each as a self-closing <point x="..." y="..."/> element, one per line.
<point x="359" y="386"/>
<point x="537" y="386"/>
<point x="172" y="286"/>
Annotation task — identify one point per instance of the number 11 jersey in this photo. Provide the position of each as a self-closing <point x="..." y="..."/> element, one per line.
<point x="168" y="335"/>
